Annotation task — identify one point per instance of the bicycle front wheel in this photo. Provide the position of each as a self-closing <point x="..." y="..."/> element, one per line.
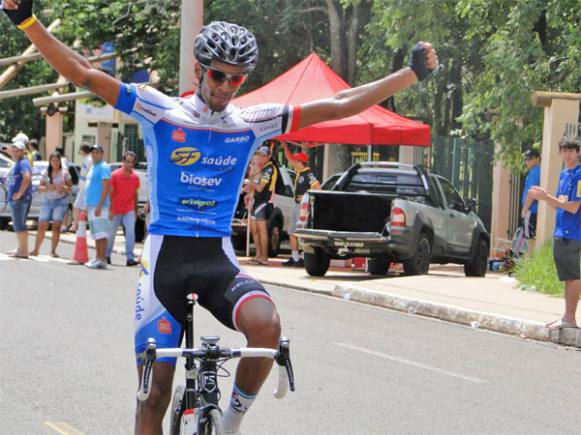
<point x="211" y="423"/>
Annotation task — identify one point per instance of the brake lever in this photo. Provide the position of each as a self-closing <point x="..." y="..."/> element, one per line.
<point x="149" y="356"/>
<point x="283" y="359"/>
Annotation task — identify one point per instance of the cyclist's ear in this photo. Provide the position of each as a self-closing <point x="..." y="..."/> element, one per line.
<point x="197" y="74"/>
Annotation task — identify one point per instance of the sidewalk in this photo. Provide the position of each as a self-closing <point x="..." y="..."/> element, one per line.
<point x="493" y="303"/>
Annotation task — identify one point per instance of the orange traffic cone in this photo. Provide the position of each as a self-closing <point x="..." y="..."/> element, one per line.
<point x="81" y="255"/>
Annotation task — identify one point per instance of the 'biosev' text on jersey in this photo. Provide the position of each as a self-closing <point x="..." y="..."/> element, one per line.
<point x="197" y="158"/>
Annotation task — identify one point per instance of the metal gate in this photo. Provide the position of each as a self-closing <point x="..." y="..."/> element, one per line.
<point x="468" y="166"/>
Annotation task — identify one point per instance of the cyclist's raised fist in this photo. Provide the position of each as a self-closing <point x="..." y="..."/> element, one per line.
<point x="423" y="60"/>
<point x="19" y="11"/>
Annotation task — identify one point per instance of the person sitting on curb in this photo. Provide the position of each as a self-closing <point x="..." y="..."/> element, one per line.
<point x="124" y="190"/>
<point x="529" y="205"/>
<point x="567" y="236"/>
<point x="304" y="180"/>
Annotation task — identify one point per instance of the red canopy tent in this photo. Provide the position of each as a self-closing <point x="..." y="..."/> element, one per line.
<point x="312" y="79"/>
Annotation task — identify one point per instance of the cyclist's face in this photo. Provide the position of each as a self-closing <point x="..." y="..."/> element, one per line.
<point x="218" y="94"/>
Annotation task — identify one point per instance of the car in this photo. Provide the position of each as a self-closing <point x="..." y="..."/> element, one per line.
<point x="37" y="169"/>
<point x="5" y="164"/>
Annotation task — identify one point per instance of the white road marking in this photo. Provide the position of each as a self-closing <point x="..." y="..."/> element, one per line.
<point x="414" y="363"/>
<point x="63" y="428"/>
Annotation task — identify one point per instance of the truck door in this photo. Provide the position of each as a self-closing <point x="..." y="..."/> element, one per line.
<point x="460" y="224"/>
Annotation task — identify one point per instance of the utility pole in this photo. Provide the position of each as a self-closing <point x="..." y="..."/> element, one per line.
<point x="192" y="20"/>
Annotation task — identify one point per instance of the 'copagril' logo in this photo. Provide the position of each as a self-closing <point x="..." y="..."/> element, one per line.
<point x="185" y="156"/>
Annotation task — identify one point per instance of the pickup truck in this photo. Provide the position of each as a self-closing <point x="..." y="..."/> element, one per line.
<point x="392" y="213"/>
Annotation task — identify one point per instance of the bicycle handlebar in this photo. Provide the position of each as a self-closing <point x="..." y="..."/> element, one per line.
<point x="281" y="356"/>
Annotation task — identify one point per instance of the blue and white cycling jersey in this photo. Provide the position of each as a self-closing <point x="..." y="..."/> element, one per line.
<point x="197" y="158"/>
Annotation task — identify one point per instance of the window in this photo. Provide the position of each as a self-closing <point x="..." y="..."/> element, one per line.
<point x="454" y="200"/>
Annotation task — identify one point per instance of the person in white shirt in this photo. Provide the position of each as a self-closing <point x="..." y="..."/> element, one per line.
<point x="79" y="204"/>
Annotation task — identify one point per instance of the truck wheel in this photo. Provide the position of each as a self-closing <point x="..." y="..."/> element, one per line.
<point x="419" y="264"/>
<point x="4" y="223"/>
<point x="478" y="263"/>
<point x="378" y="266"/>
<point x="274" y="237"/>
<point x="317" y="263"/>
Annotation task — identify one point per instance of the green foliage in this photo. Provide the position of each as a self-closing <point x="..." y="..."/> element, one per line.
<point x="539" y="271"/>
<point x="19" y="114"/>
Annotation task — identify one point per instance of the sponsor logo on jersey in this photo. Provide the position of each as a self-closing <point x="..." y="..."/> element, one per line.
<point x="238" y="139"/>
<point x="198" y="204"/>
<point x="178" y="135"/>
<point x="196" y="180"/>
<point x="164" y="326"/>
<point x="579" y="189"/>
<point x="219" y="161"/>
<point x="185" y="156"/>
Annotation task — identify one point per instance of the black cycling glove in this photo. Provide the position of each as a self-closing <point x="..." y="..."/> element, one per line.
<point x="418" y="62"/>
<point x="21" y="16"/>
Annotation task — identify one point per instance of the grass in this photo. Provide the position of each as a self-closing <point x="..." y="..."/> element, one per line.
<point x="539" y="271"/>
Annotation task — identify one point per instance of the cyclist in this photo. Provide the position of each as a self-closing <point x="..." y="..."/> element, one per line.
<point x="198" y="149"/>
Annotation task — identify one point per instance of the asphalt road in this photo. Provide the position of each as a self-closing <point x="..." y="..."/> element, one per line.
<point x="67" y="364"/>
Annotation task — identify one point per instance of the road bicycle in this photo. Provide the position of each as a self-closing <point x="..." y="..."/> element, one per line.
<point x="195" y="409"/>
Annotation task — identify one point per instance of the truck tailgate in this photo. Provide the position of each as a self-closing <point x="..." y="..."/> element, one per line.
<point x="346" y="211"/>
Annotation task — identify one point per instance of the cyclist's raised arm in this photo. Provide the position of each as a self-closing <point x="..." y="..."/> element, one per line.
<point x="65" y="61"/>
<point x="352" y="101"/>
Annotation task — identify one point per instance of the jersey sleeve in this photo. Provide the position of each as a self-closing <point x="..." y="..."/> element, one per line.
<point x="270" y="120"/>
<point x="143" y="103"/>
<point x="266" y="176"/>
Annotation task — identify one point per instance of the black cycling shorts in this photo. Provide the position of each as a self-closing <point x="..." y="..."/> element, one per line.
<point x="173" y="267"/>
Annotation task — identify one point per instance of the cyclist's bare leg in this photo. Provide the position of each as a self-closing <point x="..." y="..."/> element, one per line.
<point x="149" y="414"/>
<point x="259" y="322"/>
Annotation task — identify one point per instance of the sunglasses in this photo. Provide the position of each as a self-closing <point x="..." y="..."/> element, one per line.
<point x="220" y="77"/>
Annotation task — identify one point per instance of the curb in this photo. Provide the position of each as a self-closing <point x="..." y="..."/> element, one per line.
<point x="492" y="322"/>
<point x="450" y="313"/>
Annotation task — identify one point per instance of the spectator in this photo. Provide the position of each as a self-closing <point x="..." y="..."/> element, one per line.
<point x="529" y="205"/>
<point x="124" y="191"/>
<point x="97" y="202"/>
<point x="304" y="180"/>
<point x="262" y="191"/>
<point x="56" y="184"/>
<point x="35" y="155"/>
<point x="22" y="137"/>
<point x="79" y="204"/>
<point x="567" y="242"/>
<point x="20" y="196"/>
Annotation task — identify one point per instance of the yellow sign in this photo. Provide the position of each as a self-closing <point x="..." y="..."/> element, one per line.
<point x="185" y="156"/>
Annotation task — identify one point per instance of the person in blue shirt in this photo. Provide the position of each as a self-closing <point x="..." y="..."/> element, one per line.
<point x="529" y="205"/>
<point x="97" y="202"/>
<point x="567" y="236"/>
<point x="20" y="196"/>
